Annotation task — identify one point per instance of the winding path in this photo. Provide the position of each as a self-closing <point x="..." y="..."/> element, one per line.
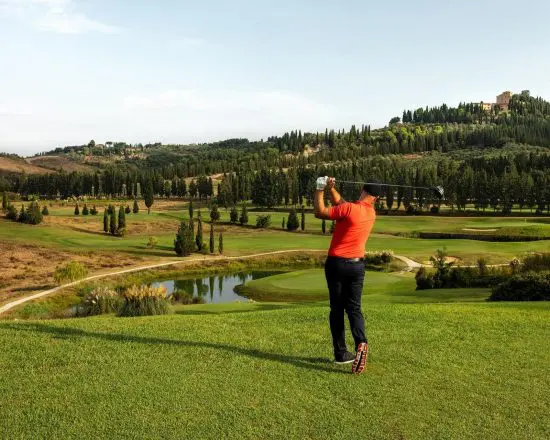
<point x="10" y="305"/>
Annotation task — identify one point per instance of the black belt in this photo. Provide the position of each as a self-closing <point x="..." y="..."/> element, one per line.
<point x="348" y="260"/>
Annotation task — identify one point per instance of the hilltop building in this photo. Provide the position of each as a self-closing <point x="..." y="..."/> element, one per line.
<point x="503" y="102"/>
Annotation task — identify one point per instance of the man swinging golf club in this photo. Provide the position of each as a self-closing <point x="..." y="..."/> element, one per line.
<point x="345" y="268"/>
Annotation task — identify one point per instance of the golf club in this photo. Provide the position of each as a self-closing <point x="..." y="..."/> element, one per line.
<point x="437" y="190"/>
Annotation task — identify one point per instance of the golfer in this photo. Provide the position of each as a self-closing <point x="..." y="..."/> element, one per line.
<point x="345" y="267"/>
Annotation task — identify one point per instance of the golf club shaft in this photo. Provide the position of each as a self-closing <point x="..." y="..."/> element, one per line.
<point x="385" y="184"/>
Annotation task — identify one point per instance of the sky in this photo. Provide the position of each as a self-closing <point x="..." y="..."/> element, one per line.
<point x="178" y="71"/>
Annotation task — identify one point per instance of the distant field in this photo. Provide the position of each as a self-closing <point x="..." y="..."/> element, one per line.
<point x="59" y="162"/>
<point x="8" y="165"/>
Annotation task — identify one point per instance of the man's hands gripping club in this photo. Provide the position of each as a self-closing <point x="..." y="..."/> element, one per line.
<point x="321" y="211"/>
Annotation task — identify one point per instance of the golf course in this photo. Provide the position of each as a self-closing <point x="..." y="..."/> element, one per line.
<point x="443" y="363"/>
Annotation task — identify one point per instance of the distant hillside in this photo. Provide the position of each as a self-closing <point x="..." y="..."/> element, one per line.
<point x="58" y="163"/>
<point x="10" y="165"/>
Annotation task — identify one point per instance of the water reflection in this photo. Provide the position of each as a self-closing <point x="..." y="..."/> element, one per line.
<point x="215" y="288"/>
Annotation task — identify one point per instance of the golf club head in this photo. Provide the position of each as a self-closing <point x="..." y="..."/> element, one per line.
<point x="438" y="191"/>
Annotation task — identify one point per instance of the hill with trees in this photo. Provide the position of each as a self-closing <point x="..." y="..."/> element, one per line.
<point x="494" y="159"/>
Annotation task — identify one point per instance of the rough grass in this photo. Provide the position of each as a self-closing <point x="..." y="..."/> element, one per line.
<point x="453" y="371"/>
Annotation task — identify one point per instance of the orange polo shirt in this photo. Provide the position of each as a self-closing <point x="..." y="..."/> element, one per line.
<point x="354" y="222"/>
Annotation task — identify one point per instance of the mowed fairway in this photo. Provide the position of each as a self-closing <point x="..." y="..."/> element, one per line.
<point x="454" y="371"/>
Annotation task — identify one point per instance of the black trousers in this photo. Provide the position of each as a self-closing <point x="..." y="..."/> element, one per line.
<point x="345" y="285"/>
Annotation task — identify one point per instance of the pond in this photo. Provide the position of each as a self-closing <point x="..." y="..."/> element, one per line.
<point x="213" y="289"/>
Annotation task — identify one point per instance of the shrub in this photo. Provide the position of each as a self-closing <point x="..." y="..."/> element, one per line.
<point x="515" y="265"/>
<point x="12" y="213"/>
<point x="184" y="243"/>
<point x="215" y="213"/>
<point x="482" y="266"/>
<point x="76" y="210"/>
<point x="144" y="301"/>
<point x="525" y="287"/>
<point x="379" y="257"/>
<point x="22" y="217"/>
<point x="99" y="301"/>
<point x="263" y="221"/>
<point x="536" y="262"/>
<point x="85" y="210"/>
<point x="243" y="219"/>
<point x="152" y="242"/>
<point x="127" y="210"/>
<point x="234" y="215"/>
<point x="93" y="211"/>
<point x="45" y="210"/>
<point x="136" y="207"/>
<point x="434" y="209"/>
<point x="71" y="271"/>
<point x="423" y="279"/>
<point x="292" y="223"/>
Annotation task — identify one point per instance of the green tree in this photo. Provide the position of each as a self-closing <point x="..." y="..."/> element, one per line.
<point x="332" y="227"/>
<point x="33" y="214"/>
<point x="136" y="206"/>
<point x="113" y="226"/>
<point x="106" y="220"/>
<point x="148" y="195"/>
<point x="5" y="201"/>
<point x="212" y="242"/>
<point x="234" y="215"/>
<point x="76" y="210"/>
<point x="214" y="213"/>
<point x="127" y="209"/>
<point x="93" y="211"/>
<point x="324" y="226"/>
<point x="243" y="219"/>
<point x="121" y="218"/>
<point x="11" y="213"/>
<point x="284" y="222"/>
<point x="220" y="244"/>
<point x="85" y="210"/>
<point x="198" y="238"/>
<point x="45" y="210"/>
<point x="184" y="243"/>
<point x="292" y="223"/>
<point x="190" y="208"/>
<point x="303" y="220"/>
<point x="22" y="215"/>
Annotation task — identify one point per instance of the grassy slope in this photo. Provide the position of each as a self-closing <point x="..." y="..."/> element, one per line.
<point x="250" y="241"/>
<point x="436" y="371"/>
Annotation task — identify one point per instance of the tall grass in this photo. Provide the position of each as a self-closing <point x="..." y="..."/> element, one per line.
<point x="144" y="301"/>
<point x="536" y="262"/>
<point x="100" y="301"/>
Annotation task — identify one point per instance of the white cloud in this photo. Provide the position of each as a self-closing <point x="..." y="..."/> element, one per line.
<point x="58" y="16"/>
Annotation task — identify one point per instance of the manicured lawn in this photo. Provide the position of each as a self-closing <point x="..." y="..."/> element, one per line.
<point x="249" y="371"/>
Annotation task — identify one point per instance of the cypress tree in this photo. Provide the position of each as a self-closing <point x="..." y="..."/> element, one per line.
<point x="324" y="226"/>
<point x="215" y="213"/>
<point x="45" y="210"/>
<point x="284" y="222"/>
<point x="76" y="210"/>
<point x="106" y="220"/>
<point x="93" y="211"/>
<point x="220" y="244"/>
<point x="12" y="213"/>
<point x="136" y="206"/>
<point x="183" y="244"/>
<point x="234" y="215"/>
<point x="148" y="195"/>
<point x="127" y="210"/>
<point x="192" y="230"/>
<point x="292" y="224"/>
<point x="212" y="244"/>
<point x="5" y="202"/>
<point x="191" y="209"/>
<point x="332" y="226"/>
<point x="243" y="220"/>
<point x="198" y="239"/>
<point x="113" y="227"/>
<point x="303" y="222"/>
<point x="33" y="214"/>
<point x="121" y="218"/>
<point x="85" y="210"/>
<point x="22" y="215"/>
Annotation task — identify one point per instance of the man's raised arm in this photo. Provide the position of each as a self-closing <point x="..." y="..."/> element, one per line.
<point x="320" y="210"/>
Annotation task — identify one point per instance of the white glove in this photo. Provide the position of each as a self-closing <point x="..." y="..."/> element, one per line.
<point x="322" y="183"/>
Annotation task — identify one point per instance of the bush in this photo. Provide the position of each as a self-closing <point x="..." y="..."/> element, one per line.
<point x="215" y="213"/>
<point x="536" y="262"/>
<point x="144" y="301"/>
<point x="292" y="223"/>
<point x="379" y="257"/>
<point x="152" y="242"/>
<point x="76" y="210"/>
<point x="127" y="210"/>
<point x="71" y="271"/>
<point x="12" y="213"/>
<point x="85" y="210"/>
<point x="263" y="221"/>
<point x="234" y="215"/>
<point x="45" y="210"/>
<point x="100" y="301"/>
<point x="434" y="209"/>
<point x="93" y="211"/>
<point x="526" y="287"/>
<point x="136" y="207"/>
<point x="243" y="219"/>
<point x="423" y="279"/>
